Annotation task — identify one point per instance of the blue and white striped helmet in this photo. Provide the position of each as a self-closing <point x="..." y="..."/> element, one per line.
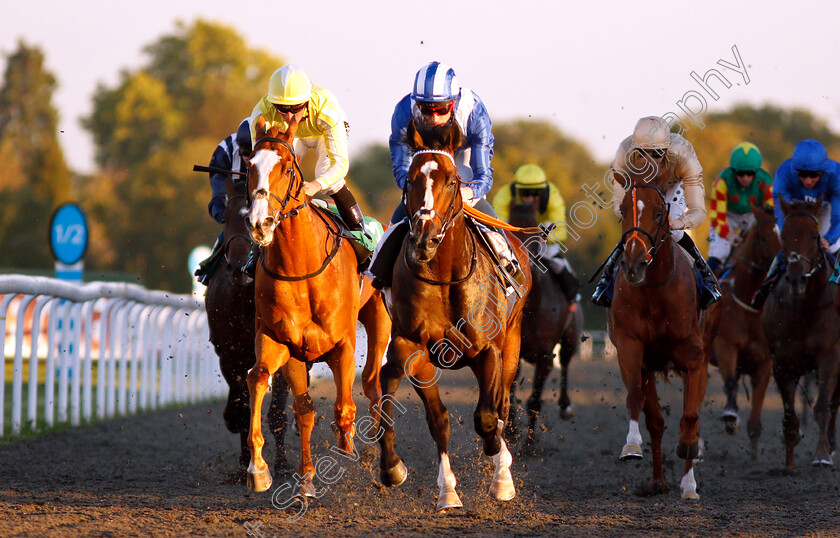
<point x="435" y="82"/>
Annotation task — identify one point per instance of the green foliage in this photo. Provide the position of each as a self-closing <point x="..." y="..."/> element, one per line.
<point x="373" y="181"/>
<point x="150" y="129"/>
<point x="34" y="178"/>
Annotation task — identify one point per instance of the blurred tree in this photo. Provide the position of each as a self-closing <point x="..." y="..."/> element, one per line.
<point x="150" y="129"/>
<point x="34" y="178"/>
<point x="371" y="173"/>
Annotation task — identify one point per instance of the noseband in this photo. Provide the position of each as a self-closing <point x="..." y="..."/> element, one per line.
<point x="297" y="178"/>
<point x="446" y="220"/>
<point x="795" y="256"/>
<point x="632" y="234"/>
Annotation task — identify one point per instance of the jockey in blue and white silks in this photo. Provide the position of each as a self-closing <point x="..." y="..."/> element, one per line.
<point x="436" y="83"/>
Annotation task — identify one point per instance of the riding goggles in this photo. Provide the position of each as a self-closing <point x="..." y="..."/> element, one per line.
<point x="438" y="109"/>
<point x="655" y="153"/>
<point x="291" y="109"/>
<point x="744" y="172"/>
<point x="809" y="173"/>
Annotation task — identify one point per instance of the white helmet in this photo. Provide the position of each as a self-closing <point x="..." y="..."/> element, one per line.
<point x="652" y="132"/>
<point x="289" y="85"/>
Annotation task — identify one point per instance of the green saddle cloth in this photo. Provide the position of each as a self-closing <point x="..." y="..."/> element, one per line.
<point x="372" y="227"/>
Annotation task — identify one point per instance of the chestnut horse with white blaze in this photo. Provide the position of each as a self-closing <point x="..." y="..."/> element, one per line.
<point x="309" y="297"/>
<point x="449" y="311"/>
<point x="655" y="324"/>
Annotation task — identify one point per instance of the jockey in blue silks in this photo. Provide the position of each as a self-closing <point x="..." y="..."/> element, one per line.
<point x="806" y="176"/>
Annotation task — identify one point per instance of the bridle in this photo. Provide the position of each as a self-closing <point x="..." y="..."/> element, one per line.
<point x="754" y="248"/>
<point x="795" y="256"/>
<point x="446" y="220"/>
<point x="297" y="179"/>
<point x="632" y="234"/>
<point x="230" y="238"/>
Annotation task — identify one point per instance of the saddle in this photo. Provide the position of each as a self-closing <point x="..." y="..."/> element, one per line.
<point x="363" y="243"/>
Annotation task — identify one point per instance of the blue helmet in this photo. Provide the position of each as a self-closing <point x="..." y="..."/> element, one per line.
<point x="809" y="155"/>
<point x="434" y="83"/>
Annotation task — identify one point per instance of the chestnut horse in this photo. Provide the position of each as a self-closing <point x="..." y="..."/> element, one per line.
<point x="656" y="325"/>
<point x="740" y="345"/>
<point x="449" y="311"/>
<point x="230" y="315"/>
<point x="801" y="323"/>
<point x="550" y="323"/>
<point x="309" y="296"/>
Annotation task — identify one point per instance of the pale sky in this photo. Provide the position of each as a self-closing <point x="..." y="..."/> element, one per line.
<point x="590" y="71"/>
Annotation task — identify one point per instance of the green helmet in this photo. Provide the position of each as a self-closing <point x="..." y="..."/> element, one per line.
<point x="745" y="156"/>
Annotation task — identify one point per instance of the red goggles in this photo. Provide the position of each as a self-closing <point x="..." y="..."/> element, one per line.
<point x="437" y="109"/>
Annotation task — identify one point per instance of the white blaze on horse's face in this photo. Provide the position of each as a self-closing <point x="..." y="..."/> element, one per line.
<point x="264" y="161"/>
<point x="640" y="205"/>
<point x="428" y="197"/>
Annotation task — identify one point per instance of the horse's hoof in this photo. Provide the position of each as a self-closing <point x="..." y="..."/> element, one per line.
<point x="690" y="496"/>
<point x="503" y="490"/>
<point x="686" y="452"/>
<point x="567" y="412"/>
<point x="258" y="480"/>
<point x="394" y="476"/>
<point x="823" y="461"/>
<point x="731" y="421"/>
<point x="631" y="452"/>
<point x="305" y="488"/>
<point x="449" y="500"/>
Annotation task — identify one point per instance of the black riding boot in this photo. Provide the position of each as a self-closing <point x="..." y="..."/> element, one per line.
<point x="569" y="284"/>
<point x="770" y="281"/>
<point x="600" y="297"/>
<point x="712" y="292"/>
<point x="349" y="210"/>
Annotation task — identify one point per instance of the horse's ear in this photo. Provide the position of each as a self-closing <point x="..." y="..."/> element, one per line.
<point x="259" y="127"/>
<point x="784" y="205"/>
<point x="815" y="209"/>
<point x="755" y="210"/>
<point x="412" y="137"/>
<point x="454" y="137"/>
<point x="289" y="135"/>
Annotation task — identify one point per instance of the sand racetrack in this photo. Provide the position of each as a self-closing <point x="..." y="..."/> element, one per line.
<point x="173" y="473"/>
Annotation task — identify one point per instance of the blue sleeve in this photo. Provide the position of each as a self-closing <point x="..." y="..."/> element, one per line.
<point x="782" y="189"/>
<point x="220" y="159"/>
<point x="480" y="139"/>
<point x="400" y="152"/>
<point x="833" y="193"/>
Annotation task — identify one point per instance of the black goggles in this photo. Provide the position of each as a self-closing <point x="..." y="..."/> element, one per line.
<point x="744" y="172"/>
<point x="291" y="109"/>
<point x="809" y="173"/>
<point x="654" y="153"/>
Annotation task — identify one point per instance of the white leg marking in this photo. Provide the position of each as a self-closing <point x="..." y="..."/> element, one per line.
<point x="502" y="487"/>
<point x="634" y="437"/>
<point x="688" y="487"/>
<point x="446" y="478"/>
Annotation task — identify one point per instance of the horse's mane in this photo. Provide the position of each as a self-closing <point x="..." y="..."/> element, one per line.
<point x="801" y="205"/>
<point x="436" y="136"/>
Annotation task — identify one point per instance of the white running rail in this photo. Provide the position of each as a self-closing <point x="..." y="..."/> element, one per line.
<point x="148" y="349"/>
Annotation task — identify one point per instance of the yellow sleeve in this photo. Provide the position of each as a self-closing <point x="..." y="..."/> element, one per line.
<point x="501" y="203"/>
<point x="330" y="123"/>
<point x="556" y="213"/>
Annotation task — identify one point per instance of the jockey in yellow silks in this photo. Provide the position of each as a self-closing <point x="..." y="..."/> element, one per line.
<point x="530" y="185"/>
<point x="653" y="144"/>
<point x="322" y="126"/>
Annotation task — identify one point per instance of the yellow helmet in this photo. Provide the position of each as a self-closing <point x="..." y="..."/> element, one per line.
<point x="289" y="85"/>
<point x="530" y="176"/>
<point x="652" y="132"/>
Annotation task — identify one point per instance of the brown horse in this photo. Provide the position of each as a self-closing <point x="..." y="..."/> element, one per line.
<point x="309" y="296"/>
<point x="449" y="311"/>
<point x="656" y="325"/>
<point x="801" y="323"/>
<point x="740" y="345"/>
<point x="230" y="315"/>
<point x="550" y="322"/>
